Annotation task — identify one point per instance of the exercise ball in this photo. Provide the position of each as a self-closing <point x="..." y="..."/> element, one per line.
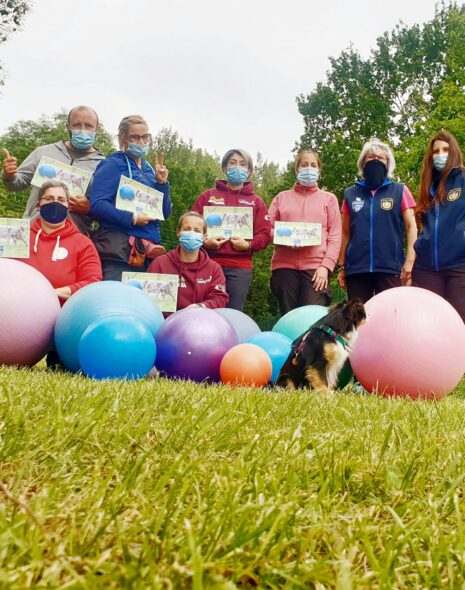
<point x="127" y="192"/>
<point x="192" y="342"/>
<point x="117" y="348"/>
<point x="284" y="231"/>
<point x="412" y="345"/>
<point x="29" y="308"/>
<point x="246" y="364"/>
<point x="277" y="347"/>
<point x="299" y="320"/>
<point x="243" y="325"/>
<point x="214" y="220"/>
<point x="48" y="171"/>
<point x="95" y="302"/>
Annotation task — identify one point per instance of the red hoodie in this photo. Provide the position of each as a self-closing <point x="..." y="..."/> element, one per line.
<point x="65" y="257"/>
<point x="201" y="281"/>
<point x="222" y="195"/>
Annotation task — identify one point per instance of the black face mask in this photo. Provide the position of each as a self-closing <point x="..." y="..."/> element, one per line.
<point x="53" y="212"/>
<point x="375" y="173"/>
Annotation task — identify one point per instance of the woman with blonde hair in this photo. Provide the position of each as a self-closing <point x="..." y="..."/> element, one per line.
<point x="122" y="235"/>
<point x="300" y="274"/>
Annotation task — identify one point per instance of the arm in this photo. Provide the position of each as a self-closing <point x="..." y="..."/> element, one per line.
<point x="216" y="296"/>
<point x="341" y="277"/>
<point x="274" y="214"/>
<point x="333" y="246"/>
<point x="102" y="199"/>
<point x="89" y="268"/>
<point x="261" y="228"/>
<point x="408" y="216"/>
<point x="23" y="176"/>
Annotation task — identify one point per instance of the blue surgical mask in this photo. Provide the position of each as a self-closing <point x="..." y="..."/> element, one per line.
<point x="308" y="176"/>
<point x="82" y="140"/>
<point x="53" y="212"/>
<point x="138" y="150"/>
<point x="439" y="161"/>
<point x="191" y="240"/>
<point x="237" y="175"/>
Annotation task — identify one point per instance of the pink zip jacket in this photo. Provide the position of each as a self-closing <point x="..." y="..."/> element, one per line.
<point x="312" y="205"/>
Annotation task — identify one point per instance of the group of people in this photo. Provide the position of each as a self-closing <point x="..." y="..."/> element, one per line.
<point x="374" y="238"/>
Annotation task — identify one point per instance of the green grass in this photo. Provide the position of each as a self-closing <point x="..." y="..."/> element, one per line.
<point x="160" y="484"/>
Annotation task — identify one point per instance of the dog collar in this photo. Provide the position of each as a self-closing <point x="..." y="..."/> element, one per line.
<point x="334" y="335"/>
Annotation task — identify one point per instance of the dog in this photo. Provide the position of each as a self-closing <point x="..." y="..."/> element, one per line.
<point x="318" y="355"/>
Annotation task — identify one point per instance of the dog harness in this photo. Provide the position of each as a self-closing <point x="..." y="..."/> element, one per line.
<point x="327" y="330"/>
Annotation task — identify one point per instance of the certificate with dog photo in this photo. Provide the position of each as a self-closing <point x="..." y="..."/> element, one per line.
<point x="76" y="180"/>
<point x="136" y="197"/>
<point x="225" y="222"/>
<point x="162" y="288"/>
<point x="297" y="233"/>
<point x="14" y="237"/>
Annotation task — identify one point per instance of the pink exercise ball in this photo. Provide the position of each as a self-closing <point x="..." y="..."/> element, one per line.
<point x="412" y="345"/>
<point x="29" y="308"/>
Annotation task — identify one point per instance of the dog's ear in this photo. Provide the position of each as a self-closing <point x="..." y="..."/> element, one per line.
<point x="354" y="311"/>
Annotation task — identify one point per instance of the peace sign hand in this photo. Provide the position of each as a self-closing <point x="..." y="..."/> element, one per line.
<point x="160" y="169"/>
<point x="10" y="166"/>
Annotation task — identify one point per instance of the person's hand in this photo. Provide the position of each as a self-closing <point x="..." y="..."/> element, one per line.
<point x="214" y="243"/>
<point x="239" y="244"/>
<point x="10" y="166"/>
<point x="141" y="218"/>
<point x="341" y="278"/>
<point x="406" y="273"/>
<point x="161" y="170"/>
<point x="79" y="205"/>
<point x="194" y="305"/>
<point x="63" y="292"/>
<point x="320" y="278"/>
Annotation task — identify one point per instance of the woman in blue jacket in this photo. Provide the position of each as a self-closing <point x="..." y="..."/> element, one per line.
<point x="121" y="232"/>
<point x="440" y="247"/>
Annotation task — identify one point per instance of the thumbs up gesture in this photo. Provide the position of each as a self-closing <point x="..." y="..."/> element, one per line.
<point x="9" y="163"/>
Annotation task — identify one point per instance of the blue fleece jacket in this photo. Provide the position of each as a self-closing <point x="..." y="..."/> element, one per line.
<point x="441" y="244"/>
<point x="103" y="196"/>
<point x="376" y="228"/>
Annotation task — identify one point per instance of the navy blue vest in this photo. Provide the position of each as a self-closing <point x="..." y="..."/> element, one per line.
<point x="441" y="244"/>
<point x="376" y="229"/>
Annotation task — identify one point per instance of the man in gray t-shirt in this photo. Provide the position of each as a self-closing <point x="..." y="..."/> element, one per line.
<point x="77" y="151"/>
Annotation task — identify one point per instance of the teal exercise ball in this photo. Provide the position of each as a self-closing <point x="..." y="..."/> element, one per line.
<point x="298" y="321"/>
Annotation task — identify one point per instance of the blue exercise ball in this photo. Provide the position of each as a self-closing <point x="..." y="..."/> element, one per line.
<point x="48" y="171"/>
<point x="117" y="348"/>
<point x="277" y="347"/>
<point x="214" y="220"/>
<point x="284" y="231"/>
<point x="127" y="192"/>
<point x="243" y="325"/>
<point x="134" y="283"/>
<point x="299" y="320"/>
<point x="96" y="302"/>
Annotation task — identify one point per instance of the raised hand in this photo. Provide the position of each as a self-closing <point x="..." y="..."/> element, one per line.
<point x="10" y="166"/>
<point x="161" y="170"/>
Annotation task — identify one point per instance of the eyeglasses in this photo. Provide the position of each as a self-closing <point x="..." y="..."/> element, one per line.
<point x="50" y="199"/>
<point x="135" y="137"/>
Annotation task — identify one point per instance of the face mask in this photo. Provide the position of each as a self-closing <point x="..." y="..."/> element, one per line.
<point x="138" y="150"/>
<point x="82" y="140"/>
<point x="237" y="175"/>
<point x="375" y="173"/>
<point x="191" y="240"/>
<point x="308" y="176"/>
<point x="53" y="212"/>
<point x="440" y="161"/>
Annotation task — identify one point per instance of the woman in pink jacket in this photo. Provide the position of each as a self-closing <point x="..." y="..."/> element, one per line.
<point x="300" y="274"/>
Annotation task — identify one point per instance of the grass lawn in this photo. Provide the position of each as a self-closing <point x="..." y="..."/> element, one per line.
<point x="160" y="484"/>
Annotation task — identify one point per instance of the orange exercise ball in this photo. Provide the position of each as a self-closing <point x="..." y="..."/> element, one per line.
<point x="246" y="364"/>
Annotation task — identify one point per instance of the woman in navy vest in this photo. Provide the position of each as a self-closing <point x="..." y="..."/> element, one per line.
<point x="376" y="213"/>
<point x="440" y="248"/>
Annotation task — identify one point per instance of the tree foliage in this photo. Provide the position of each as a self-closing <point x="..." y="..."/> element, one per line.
<point x="12" y="13"/>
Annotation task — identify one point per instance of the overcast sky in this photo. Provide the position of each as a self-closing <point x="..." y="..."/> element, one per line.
<point x="224" y="74"/>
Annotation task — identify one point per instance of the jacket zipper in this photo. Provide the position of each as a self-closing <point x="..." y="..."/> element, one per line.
<point x="435" y="241"/>
<point x="372" y="198"/>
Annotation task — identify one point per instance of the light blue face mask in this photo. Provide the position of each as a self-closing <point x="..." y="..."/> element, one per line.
<point x="308" y="176"/>
<point x="138" y="150"/>
<point x="237" y="175"/>
<point x="191" y="240"/>
<point x="82" y="140"/>
<point x="440" y="161"/>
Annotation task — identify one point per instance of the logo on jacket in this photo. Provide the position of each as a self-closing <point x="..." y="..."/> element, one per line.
<point x="244" y="202"/>
<point x="204" y="281"/>
<point x="216" y="200"/>
<point x="454" y="194"/>
<point x="182" y="282"/>
<point x="387" y="204"/>
<point x="357" y="205"/>
<point x="221" y="288"/>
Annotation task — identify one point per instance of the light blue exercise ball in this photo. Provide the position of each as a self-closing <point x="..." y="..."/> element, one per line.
<point x="298" y="321"/>
<point x="277" y="347"/>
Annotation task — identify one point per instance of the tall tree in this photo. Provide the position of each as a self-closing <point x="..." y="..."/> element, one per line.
<point x="12" y="13"/>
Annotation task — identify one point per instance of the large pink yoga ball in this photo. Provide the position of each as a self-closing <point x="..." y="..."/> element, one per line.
<point x="412" y="345"/>
<point x="29" y="308"/>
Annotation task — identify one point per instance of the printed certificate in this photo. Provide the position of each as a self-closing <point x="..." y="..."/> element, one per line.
<point x="14" y="237"/>
<point x="297" y="233"/>
<point x="162" y="288"/>
<point x="76" y="180"/>
<point x="136" y="197"/>
<point x="225" y="222"/>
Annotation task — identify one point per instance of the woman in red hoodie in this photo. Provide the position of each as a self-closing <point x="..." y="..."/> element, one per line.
<point x="300" y="274"/>
<point x="57" y="249"/>
<point x="234" y="253"/>
<point x="201" y="280"/>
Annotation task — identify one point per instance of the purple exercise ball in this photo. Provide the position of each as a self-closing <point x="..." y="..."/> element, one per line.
<point x="192" y="342"/>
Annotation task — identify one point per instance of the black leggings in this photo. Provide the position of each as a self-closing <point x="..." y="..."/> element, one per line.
<point x="449" y="284"/>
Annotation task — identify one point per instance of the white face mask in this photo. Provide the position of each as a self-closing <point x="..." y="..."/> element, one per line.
<point x="308" y="176"/>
